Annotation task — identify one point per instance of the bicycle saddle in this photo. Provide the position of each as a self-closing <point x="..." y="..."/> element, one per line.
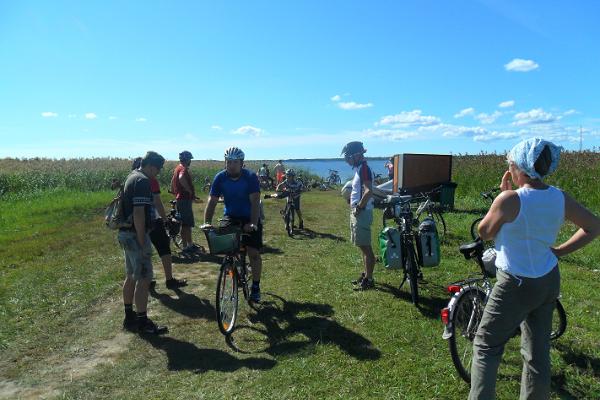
<point x="472" y="249"/>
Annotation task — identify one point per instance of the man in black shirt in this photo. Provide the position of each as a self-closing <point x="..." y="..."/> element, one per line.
<point x="135" y="241"/>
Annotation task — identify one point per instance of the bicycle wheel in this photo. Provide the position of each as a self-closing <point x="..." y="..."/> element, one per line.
<point x="289" y="221"/>
<point x="440" y="222"/>
<point x="464" y="322"/>
<point x="559" y="321"/>
<point x="227" y="298"/>
<point x="413" y="273"/>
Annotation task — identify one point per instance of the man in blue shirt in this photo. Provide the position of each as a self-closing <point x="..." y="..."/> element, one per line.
<point x="240" y="190"/>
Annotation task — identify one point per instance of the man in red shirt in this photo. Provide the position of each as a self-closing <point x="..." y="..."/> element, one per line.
<point x="183" y="188"/>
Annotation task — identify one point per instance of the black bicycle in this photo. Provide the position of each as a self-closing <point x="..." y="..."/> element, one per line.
<point x="233" y="274"/>
<point x="463" y="313"/>
<point x="173" y="224"/>
<point x="288" y="212"/>
<point x="433" y="211"/>
<point x="398" y="208"/>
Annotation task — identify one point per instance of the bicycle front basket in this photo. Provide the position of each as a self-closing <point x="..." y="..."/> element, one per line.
<point x="222" y="243"/>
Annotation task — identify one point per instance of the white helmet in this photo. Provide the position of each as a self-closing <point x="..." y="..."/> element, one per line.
<point x="234" y="153"/>
<point x="347" y="190"/>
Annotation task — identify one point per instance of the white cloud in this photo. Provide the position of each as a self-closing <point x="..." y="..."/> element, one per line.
<point x="354" y="106"/>
<point x="492" y="136"/>
<point x="535" y="116"/>
<point x="90" y="116"/>
<point x="336" y="98"/>
<point x="408" y="118"/>
<point x="248" y="130"/>
<point x="520" y="65"/>
<point x="506" y="104"/>
<point x="464" y="112"/>
<point x="49" y="114"/>
<point x="112" y="117"/>
<point x="457" y="130"/>
<point x="488" y="118"/>
<point x="217" y="127"/>
<point x="141" y="119"/>
<point x="570" y="112"/>
<point x="390" y="134"/>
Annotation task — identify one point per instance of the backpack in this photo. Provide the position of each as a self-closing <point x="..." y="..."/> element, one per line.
<point x="113" y="216"/>
<point x="391" y="250"/>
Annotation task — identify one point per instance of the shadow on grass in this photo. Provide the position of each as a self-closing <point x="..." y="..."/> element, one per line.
<point x="578" y="359"/>
<point x="186" y="304"/>
<point x="184" y="356"/>
<point x="179" y="258"/>
<point x="270" y="250"/>
<point x="429" y="306"/>
<point x="284" y="320"/>
<point x="310" y="234"/>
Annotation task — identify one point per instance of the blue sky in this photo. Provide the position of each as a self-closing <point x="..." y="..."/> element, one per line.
<point x="295" y="79"/>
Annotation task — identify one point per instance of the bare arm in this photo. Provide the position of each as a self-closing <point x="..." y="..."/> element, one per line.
<point x="588" y="223"/>
<point x="139" y="222"/>
<point x="158" y="204"/>
<point x="209" y="211"/>
<point x="184" y="183"/>
<point x="254" y="208"/>
<point x="367" y="193"/>
<point x="505" y="208"/>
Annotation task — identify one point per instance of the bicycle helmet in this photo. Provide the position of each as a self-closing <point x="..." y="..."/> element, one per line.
<point x="185" y="155"/>
<point x="353" y="148"/>
<point x="234" y="153"/>
<point x="290" y="172"/>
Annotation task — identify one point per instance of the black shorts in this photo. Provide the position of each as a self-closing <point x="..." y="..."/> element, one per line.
<point x="160" y="239"/>
<point x="252" y="239"/>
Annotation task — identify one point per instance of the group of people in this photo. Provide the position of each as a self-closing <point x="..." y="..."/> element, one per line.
<point x="524" y="222"/>
<point x="264" y="175"/>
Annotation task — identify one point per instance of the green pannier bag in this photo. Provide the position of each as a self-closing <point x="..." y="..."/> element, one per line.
<point x="391" y="251"/>
<point x="429" y="243"/>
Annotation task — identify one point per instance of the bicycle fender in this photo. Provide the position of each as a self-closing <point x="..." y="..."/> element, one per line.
<point x="448" y="331"/>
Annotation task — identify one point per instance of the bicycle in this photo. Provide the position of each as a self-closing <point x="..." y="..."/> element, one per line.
<point x="433" y="211"/>
<point x="489" y="195"/>
<point x="233" y="273"/>
<point x="463" y="313"/>
<point x="287" y="212"/>
<point x="173" y="224"/>
<point x="334" y="178"/>
<point x="397" y="207"/>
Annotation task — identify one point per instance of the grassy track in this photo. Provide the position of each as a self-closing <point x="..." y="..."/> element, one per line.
<point x="60" y="315"/>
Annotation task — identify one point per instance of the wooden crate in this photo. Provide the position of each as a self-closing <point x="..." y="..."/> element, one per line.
<point x="421" y="172"/>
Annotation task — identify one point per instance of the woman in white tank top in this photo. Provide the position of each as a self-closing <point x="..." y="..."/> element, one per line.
<point x="525" y="223"/>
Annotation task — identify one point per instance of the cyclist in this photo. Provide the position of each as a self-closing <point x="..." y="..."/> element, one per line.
<point x="240" y="190"/>
<point x="135" y="241"/>
<point x="183" y="188"/>
<point x="291" y="187"/>
<point x="279" y="171"/>
<point x="361" y="215"/>
<point x="158" y="235"/>
<point x="524" y="224"/>
<point x="263" y="175"/>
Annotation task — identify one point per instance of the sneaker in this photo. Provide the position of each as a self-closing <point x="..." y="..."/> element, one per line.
<point x="366" y="284"/>
<point x="130" y="324"/>
<point x="175" y="283"/>
<point x="301" y="226"/>
<point x="359" y="280"/>
<point x="255" y="295"/>
<point x="151" y="328"/>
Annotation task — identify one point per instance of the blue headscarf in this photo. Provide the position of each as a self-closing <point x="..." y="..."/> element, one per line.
<point x="526" y="153"/>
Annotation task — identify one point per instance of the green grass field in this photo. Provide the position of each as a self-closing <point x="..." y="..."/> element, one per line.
<point x="313" y="337"/>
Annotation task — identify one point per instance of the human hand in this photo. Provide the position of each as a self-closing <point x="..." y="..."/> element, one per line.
<point x="506" y="183"/>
